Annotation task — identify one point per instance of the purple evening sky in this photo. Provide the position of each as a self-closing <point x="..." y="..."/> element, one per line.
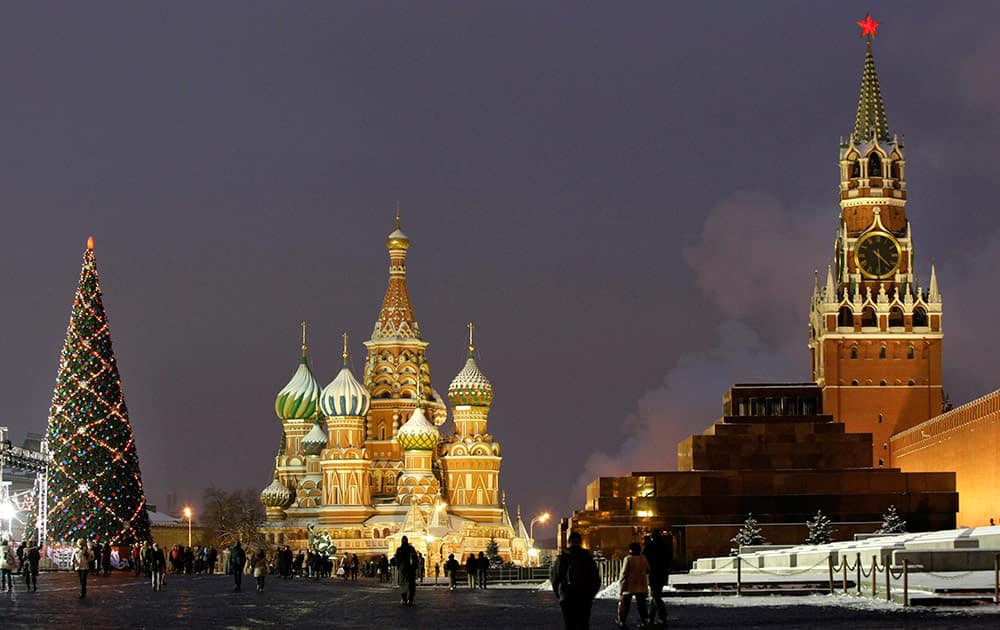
<point x="629" y="199"/>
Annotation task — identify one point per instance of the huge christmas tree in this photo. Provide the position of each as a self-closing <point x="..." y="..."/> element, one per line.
<point x="95" y="488"/>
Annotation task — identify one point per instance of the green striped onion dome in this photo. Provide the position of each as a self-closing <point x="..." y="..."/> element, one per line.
<point x="300" y="398"/>
<point x="418" y="434"/>
<point x="277" y="495"/>
<point x="470" y="387"/>
<point x="315" y="440"/>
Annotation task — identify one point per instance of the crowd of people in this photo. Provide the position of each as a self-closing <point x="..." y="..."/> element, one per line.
<point x="644" y="573"/>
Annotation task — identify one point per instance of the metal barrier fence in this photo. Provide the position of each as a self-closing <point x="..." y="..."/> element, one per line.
<point x="859" y="573"/>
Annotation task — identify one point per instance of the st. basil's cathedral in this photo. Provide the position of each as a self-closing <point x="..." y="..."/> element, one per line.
<point x="367" y="463"/>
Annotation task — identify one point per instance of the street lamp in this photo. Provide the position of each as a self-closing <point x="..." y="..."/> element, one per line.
<point x="541" y="518"/>
<point x="187" y="515"/>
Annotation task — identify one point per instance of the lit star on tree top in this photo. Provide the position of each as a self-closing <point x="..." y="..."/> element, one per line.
<point x="868" y="26"/>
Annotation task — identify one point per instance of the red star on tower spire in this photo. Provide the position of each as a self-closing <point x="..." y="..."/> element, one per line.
<point x="868" y="26"/>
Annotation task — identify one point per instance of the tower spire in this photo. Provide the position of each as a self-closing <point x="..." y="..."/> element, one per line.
<point x="304" y="346"/>
<point x="346" y="353"/>
<point x="870" y="121"/>
<point x="472" y="348"/>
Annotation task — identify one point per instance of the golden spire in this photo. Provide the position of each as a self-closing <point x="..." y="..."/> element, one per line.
<point x="397" y="214"/>
<point x="346" y="353"/>
<point x="304" y="347"/>
<point x="472" y="348"/>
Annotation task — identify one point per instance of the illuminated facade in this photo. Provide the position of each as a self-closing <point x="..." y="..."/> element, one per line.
<point x="366" y="462"/>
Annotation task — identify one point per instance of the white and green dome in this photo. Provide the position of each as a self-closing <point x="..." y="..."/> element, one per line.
<point x="300" y="398"/>
<point x="470" y="387"/>
<point x="277" y="495"/>
<point x="345" y="396"/>
<point x="315" y="440"/>
<point x="418" y="434"/>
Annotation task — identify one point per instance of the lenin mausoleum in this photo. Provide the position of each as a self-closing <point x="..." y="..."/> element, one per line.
<point x="872" y="429"/>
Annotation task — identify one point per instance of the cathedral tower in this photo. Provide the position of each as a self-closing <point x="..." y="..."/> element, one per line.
<point x="471" y="459"/>
<point x="875" y="331"/>
<point x="344" y="462"/>
<point x="396" y="373"/>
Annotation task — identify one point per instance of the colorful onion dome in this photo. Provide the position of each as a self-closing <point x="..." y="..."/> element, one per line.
<point x="299" y="399"/>
<point x="470" y="387"/>
<point x="315" y="440"/>
<point x="277" y="495"/>
<point x="418" y="434"/>
<point x="345" y="396"/>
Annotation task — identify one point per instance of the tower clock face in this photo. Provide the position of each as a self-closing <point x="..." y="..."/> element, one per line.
<point x="877" y="255"/>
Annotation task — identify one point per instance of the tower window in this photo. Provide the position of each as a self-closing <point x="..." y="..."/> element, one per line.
<point x="909" y="352"/>
<point x="874" y="165"/>
<point x="881" y="462"/>
<point x="919" y="316"/>
<point x="911" y="382"/>
<point x="381" y="431"/>
<point x="883" y="382"/>
<point x="854" y="382"/>
<point x="894" y="169"/>
<point x="845" y="317"/>
<point x="896" y="317"/>
<point x="856" y="169"/>
<point x="854" y="352"/>
<point x="868" y="318"/>
<point x="881" y="352"/>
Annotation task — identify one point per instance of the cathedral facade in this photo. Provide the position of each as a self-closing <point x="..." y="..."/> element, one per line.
<point x="366" y="462"/>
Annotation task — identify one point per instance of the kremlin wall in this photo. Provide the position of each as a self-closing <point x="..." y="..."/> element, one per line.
<point x="867" y="433"/>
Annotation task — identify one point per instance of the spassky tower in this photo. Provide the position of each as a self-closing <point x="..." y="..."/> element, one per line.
<point x="874" y="330"/>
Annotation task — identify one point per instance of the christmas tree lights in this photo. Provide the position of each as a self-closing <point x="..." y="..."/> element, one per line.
<point x="95" y="487"/>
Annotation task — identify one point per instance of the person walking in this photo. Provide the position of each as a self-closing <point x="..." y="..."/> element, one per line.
<point x="451" y="568"/>
<point x="470" y="570"/>
<point x="237" y="560"/>
<point x="575" y="581"/>
<point x="406" y="566"/>
<point x="83" y="560"/>
<point x="106" y="558"/>
<point x="482" y="564"/>
<point x="30" y="567"/>
<point x="659" y="552"/>
<point x="157" y="564"/>
<point x="7" y="564"/>
<point x="260" y="568"/>
<point x="633" y="581"/>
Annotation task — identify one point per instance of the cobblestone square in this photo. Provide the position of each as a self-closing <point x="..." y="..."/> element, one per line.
<point x="202" y="601"/>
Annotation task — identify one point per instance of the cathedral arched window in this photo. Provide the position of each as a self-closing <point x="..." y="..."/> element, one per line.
<point x="895" y="317"/>
<point x="874" y="165"/>
<point x="381" y="431"/>
<point x="856" y="169"/>
<point x="854" y="382"/>
<point x="911" y="382"/>
<point x="845" y="317"/>
<point x="868" y="318"/>
<point x="894" y="169"/>
<point x="909" y="353"/>
<point x="919" y="317"/>
<point x="883" y="382"/>
<point x="881" y="353"/>
<point x="854" y="352"/>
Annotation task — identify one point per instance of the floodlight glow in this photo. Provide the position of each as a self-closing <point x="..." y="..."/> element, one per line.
<point x="7" y="511"/>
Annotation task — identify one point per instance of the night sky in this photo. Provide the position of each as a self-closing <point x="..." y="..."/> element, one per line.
<point x="629" y="199"/>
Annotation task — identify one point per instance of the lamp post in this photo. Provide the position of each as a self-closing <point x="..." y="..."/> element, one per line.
<point x="187" y="515"/>
<point x="541" y="518"/>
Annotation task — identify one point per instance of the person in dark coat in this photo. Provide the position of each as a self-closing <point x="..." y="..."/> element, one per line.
<point x="237" y="560"/>
<point x="659" y="552"/>
<point x="156" y="562"/>
<point x="482" y="564"/>
<point x="106" y="558"/>
<point x="407" y="566"/>
<point x="451" y="568"/>
<point x="30" y="566"/>
<point x="575" y="581"/>
<point x="470" y="570"/>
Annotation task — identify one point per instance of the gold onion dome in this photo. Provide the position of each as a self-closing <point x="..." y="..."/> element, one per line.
<point x="418" y="434"/>
<point x="315" y="440"/>
<point x="299" y="399"/>
<point x="397" y="239"/>
<point x="345" y="396"/>
<point x="277" y="495"/>
<point x="470" y="387"/>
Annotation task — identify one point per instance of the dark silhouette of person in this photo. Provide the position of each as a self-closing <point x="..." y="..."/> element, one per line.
<point x="237" y="560"/>
<point x="659" y="552"/>
<point x="575" y="581"/>
<point x="406" y="566"/>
